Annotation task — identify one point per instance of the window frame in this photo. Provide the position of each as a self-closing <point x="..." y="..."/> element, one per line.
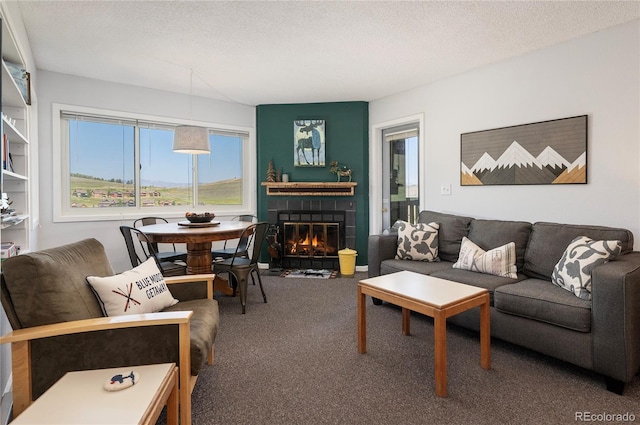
<point x="62" y="211"/>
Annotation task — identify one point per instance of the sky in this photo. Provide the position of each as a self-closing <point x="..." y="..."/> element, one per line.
<point x="106" y="151"/>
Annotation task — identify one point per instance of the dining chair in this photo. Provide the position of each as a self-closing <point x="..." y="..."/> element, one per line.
<point x="139" y="252"/>
<point x="161" y="255"/>
<point x="240" y="266"/>
<point x="229" y="251"/>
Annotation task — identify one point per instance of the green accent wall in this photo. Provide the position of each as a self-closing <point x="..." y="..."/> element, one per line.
<point x="347" y="141"/>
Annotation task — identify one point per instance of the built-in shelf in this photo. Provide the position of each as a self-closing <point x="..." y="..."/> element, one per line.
<point x="310" y="188"/>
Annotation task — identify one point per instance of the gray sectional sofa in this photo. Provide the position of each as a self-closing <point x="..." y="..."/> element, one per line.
<point x="601" y="334"/>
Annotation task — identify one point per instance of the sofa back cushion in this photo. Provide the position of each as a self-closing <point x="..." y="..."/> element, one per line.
<point x="548" y="242"/>
<point x="452" y="229"/>
<point x="49" y="286"/>
<point x="489" y="234"/>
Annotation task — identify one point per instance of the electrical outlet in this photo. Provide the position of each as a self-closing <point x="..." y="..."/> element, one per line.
<point x="445" y="189"/>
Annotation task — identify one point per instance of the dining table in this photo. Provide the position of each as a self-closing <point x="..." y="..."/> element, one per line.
<point x="199" y="238"/>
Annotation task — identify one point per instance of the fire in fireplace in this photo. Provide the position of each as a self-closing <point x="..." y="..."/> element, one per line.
<point x="311" y="239"/>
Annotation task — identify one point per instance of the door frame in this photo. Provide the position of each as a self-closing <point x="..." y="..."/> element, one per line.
<point x="375" y="162"/>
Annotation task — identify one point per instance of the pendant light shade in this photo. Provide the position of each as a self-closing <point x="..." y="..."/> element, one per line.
<point x="191" y="139"/>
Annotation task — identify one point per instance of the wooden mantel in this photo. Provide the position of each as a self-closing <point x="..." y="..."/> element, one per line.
<point x="310" y="188"/>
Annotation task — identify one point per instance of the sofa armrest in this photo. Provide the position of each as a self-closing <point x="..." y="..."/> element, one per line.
<point x="615" y="294"/>
<point x="380" y="248"/>
<point x="21" y="346"/>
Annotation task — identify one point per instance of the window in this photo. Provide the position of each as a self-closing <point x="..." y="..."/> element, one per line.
<point x="116" y="166"/>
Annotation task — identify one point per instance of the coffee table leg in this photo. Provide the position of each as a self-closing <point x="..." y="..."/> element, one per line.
<point x="485" y="335"/>
<point x="440" y="342"/>
<point x="362" y="322"/>
<point x="406" y="321"/>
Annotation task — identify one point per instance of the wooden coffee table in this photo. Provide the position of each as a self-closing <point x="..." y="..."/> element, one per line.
<point x="434" y="297"/>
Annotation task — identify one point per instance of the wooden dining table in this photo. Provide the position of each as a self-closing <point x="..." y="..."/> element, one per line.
<point x="199" y="239"/>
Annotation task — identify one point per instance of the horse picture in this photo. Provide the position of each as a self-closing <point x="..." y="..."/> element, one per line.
<point x="309" y="143"/>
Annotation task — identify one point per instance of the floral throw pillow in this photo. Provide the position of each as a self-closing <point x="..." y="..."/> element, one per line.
<point x="418" y="242"/>
<point x="500" y="261"/>
<point x="573" y="271"/>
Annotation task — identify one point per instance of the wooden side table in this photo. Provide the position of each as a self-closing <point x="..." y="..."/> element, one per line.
<point x="79" y="398"/>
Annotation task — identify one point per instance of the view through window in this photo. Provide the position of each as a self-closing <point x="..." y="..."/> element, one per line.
<point x="129" y="164"/>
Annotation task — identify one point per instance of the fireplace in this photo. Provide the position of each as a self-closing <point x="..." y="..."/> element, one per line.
<point x="311" y="233"/>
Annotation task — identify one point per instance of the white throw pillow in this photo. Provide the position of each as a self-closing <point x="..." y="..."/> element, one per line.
<point x="500" y="261"/>
<point x="573" y="271"/>
<point x="139" y="290"/>
<point x="417" y="242"/>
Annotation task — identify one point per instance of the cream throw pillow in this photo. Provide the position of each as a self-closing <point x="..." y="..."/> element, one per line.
<point x="139" y="290"/>
<point x="417" y="242"/>
<point x="500" y="261"/>
<point x="573" y="271"/>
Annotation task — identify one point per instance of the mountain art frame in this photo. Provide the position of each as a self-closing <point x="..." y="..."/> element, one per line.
<point x="546" y="152"/>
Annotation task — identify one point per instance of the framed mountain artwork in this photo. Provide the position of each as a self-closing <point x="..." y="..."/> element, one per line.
<point x="548" y="152"/>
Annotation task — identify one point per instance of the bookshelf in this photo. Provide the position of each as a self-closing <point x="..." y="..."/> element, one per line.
<point x="14" y="226"/>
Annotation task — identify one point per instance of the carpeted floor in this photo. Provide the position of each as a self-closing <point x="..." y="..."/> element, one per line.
<point x="294" y="360"/>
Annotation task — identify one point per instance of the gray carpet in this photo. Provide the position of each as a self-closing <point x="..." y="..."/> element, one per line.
<point x="294" y="360"/>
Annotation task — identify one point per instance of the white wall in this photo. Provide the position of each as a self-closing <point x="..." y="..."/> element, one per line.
<point x="597" y="75"/>
<point x="61" y="88"/>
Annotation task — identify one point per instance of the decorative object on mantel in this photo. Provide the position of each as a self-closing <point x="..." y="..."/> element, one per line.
<point x="271" y="172"/>
<point x="548" y="152"/>
<point x="340" y="171"/>
<point x="285" y="178"/>
<point x="308" y="135"/>
<point x="310" y="188"/>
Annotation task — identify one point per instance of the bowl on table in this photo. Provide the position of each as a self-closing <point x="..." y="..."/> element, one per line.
<point x="199" y="217"/>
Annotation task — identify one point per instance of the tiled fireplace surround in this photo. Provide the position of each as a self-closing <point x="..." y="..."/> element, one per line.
<point x="278" y="208"/>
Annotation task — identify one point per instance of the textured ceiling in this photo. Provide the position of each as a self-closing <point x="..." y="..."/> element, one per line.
<point x="263" y="52"/>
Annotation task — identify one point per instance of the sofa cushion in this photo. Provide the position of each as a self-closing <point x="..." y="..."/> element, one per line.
<point x="573" y="271"/>
<point x="423" y="267"/>
<point x="549" y="240"/>
<point x="500" y="261"/>
<point x="136" y="291"/>
<point x="452" y="229"/>
<point x="481" y="280"/>
<point x="541" y="300"/>
<point x="488" y="234"/>
<point x="417" y="242"/>
<point x="203" y="328"/>
<point x="41" y="283"/>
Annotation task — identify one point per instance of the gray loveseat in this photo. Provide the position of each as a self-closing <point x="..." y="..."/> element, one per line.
<point x="601" y="334"/>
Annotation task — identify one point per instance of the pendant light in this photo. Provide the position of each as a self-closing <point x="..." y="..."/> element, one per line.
<point x="189" y="138"/>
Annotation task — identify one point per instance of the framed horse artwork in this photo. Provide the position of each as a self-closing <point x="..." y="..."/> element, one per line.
<point x="308" y="143"/>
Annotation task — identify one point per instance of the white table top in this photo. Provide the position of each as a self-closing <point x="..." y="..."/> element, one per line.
<point x="79" y="398"/>
<point x="423" y="288"/>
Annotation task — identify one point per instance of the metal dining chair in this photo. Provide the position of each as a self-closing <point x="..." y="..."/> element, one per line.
<point x="229" y="251"/>
<point x="140" y="252"/>
<point x="160" y="255"/>
<point x="241" y="266"/>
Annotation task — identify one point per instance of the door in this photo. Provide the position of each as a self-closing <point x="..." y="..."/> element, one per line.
<point x="400" y="177"/>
